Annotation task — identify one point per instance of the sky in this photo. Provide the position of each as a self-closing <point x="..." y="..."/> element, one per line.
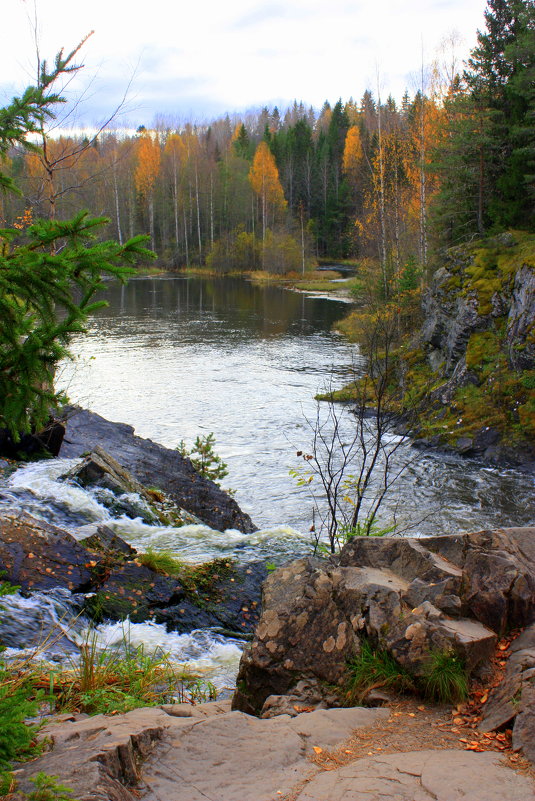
<point x="197" y="59"/>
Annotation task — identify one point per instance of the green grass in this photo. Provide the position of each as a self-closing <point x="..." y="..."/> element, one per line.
<point x="160" y="561"/>
<point x="445" y="678"/>
<point x="375" y="669"/>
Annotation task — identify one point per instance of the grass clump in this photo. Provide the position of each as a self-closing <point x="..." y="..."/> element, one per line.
<point x="445" y="678"/>
<point x="160" y="561"/>
<point x="115" y="681"/>
<point x="374" y="669"/>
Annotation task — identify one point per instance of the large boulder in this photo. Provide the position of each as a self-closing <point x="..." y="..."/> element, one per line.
<point x="39" y="556"/>
<point x="411" y="597"/>
<point x="153" y="465"/>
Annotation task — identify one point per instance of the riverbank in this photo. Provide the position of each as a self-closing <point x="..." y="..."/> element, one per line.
<point x="402" y="749"/>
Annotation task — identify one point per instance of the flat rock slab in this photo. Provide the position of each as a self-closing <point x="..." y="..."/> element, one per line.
<point x="237" y="757"/>
<point x="448" y="775"/>
<point x="204" y="752"/>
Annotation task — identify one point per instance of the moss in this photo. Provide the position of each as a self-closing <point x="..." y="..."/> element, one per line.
<point x="526" y="416"/>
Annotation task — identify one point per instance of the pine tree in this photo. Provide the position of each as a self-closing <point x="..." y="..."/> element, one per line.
<point x="501" y="76"/>
<point x="486" y="161"/>
<point x="49" y="273"/>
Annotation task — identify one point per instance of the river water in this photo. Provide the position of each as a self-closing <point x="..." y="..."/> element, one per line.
<point x="176" y="357"/>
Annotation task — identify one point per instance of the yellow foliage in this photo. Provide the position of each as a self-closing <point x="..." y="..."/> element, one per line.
<point x="353" y="152"/>
<point x="148" y="163"/>
<point x="264" y="177"/>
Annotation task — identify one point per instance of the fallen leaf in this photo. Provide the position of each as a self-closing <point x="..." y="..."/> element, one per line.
<point x="412" y="715"/>
<point x="484" y="698"/>
<point x="348" y="752"/>
<point x="458" y="721"/>
<point x="317" y="749"/>
<point x="503" y="646"/>
<point x="421" y="708"/>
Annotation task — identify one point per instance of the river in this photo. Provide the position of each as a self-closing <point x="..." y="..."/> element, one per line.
<point x="176" y="357"/>
<point x="179" y="356"/>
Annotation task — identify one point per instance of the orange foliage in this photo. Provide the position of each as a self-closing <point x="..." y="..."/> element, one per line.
<point x="353" y="152"/>
<point x="264" y="177"/>
<point x="148" y="163"/>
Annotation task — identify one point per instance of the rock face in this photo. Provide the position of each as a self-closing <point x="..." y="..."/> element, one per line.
<point x="153" y="466"/>
<point x="408" y="596"/>
<point x="38" y="556"/>
<point x="475" y="354"/>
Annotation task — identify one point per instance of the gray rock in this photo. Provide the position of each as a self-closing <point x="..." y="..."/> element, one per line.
<point x="422" y="776"/>
<point x="467" y="588"/>
<point x="153" y="465"/>
<point x="521" y="321"/>
<point x="217" y="755"/>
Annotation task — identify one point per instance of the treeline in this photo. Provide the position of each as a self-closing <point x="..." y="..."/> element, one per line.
<point x="369" y="179"/>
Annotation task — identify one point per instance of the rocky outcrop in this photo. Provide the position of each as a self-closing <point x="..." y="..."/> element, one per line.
<point x="472" y="367"/>
<point x="118" y="490"/>
<point x="38" y="556"/>
<point x="521" y="321"/>
<point x="153" y="465"/>
<point x="410" y="597"/>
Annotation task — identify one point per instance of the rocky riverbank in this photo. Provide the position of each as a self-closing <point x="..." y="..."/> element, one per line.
<point x="152" y="484"/>
<point x="473" y="367"/>
<point x="412" y="599"/>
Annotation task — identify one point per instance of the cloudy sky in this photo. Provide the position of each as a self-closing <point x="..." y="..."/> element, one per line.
<point x="195" y="59"/>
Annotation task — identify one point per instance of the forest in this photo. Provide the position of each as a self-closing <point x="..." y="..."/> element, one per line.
<point x="393" y="182"/>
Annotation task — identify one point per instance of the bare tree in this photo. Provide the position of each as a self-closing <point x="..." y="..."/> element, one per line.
<point x="357" y="454"/>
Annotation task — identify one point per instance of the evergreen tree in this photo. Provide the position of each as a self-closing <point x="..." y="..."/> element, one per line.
<point x="49" y="273"/>
<point x="500" y="76"/>
<point x="486" y="160"/>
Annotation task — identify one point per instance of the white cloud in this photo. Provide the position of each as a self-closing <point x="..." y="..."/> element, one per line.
<point x="202" y="57"/>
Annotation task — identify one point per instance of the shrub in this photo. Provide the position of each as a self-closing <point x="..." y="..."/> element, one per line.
<point x="203" y="458"/>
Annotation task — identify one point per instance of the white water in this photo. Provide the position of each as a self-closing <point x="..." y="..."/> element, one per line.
<point x="38" y="488"/>
<point x="48" y="627"/>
